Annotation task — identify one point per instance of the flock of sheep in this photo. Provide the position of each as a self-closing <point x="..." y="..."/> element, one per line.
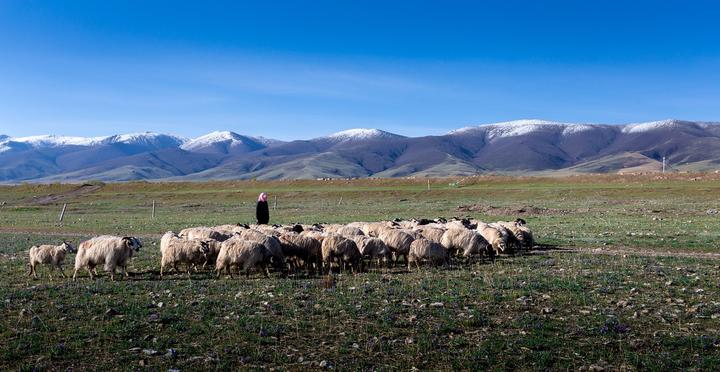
<point x="290" y="248"/>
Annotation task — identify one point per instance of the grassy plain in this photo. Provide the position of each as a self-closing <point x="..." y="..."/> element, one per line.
<point x="627" y="278"/>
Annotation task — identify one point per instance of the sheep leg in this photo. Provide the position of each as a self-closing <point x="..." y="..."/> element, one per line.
<point x="161" y="270"/>
<point x="124" y="270"/>
<point x="62" y="272"/>
<point x="33" y="271"/>
<point x="90" y="271"/>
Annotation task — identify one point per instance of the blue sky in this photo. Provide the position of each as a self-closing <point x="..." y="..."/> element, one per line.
<point x="300" y="69"/>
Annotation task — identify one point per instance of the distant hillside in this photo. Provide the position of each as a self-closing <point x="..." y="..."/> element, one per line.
<point x="523" y="146"/>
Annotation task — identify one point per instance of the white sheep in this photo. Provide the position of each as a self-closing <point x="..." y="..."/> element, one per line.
<point x="373" y="248"/>
<point x="426" y="250"/>
<point x="51" y="255"/>
<point x="493" y="236"/>
<point x="244" y="255"/>
<point x="203" y="233"/>
<point x="175" y="250"/>
<point x="335" y="247"/>
<point x="431" y="233"/>
<point x="110" y="251"/>
<point x="398" y="241"/>
<point x="469" y="242"/>
<point x="304" y="248"/>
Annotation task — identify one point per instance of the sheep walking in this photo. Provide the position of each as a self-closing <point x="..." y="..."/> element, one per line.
<point x="245" y="255"/>
<point x="175" y="250"/>
<point x="51" y="255"/>
<point x="110" y="251"/>
<point x="426" y="250"/>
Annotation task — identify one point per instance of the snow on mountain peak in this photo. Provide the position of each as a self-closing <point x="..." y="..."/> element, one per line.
<point x="360" y="134"/>
<point x="522" y="127"/>
<point x="651" y="125"/>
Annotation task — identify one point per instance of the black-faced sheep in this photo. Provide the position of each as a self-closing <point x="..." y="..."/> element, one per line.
<point x="51" y="255"/>
<point x="110" y="251"/>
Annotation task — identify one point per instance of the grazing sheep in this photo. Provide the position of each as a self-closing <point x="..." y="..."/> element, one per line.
<point x="111" y="251"/>
<point x="335" y="247"/>
<point x="349" y="231"/>
<point x="373" y="248"/>
<point x="203" y="233"/>
<point x="51" y="255"/>
<point x="426" y="250"/>
<point x="512" y="243"/>
<point x="527" y="235"/>
<point x="431" y="233"/>
<point x="269" y="241"/>
<point x="375" y="228"/>
<point x="493" y="236"/>
<point x="468" y="242"/>
<point x="303" y="248"/>
<point x="413" y="233"/>
<point x="317" y="235"/>
<point x="398" y="242"/>
<point x="176" y="250"/>
<point x="244" y="255"/>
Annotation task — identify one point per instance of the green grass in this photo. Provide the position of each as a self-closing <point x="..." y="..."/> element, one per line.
<point x="556" y="309"/>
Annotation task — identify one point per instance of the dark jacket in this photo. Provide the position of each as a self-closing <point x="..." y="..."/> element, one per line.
<point x="262" y="213"/>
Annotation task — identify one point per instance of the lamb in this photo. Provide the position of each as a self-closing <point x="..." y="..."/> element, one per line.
<point x="50" y="255"/>
<point x="111" y="251"/>
<point x="245" y="255"/>
<point x="468" y="242"/>
<point x="398" y="242"/>
<point x="176" y="250"/>
<point x="493" y="237"/>
<point x="424" y="249"/>
<point x="372" y="248"/>
<point x="203" y="233"/>
<point x="335" y="247"/>
<point x="431" y="233"/>
<point x="304" y="248"/>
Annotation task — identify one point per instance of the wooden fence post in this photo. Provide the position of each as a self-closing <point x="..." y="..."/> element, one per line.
<point x="62" y="212"/>
<point x="153" y="209"/>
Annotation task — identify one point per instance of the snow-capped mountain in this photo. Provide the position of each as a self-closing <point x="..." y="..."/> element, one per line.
<point x="224" y="142"/>
<point x="521" y="146"/>
<point x="147" y="139"/>
<point x="360" y="134"/>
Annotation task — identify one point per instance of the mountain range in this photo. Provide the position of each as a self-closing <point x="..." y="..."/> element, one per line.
<point x="515" y="147"/>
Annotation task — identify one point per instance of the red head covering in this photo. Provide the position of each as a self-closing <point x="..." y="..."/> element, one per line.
<point x="262" y="197"/>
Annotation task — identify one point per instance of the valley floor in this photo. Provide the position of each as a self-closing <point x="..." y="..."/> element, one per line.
<point x="626" y="277"/>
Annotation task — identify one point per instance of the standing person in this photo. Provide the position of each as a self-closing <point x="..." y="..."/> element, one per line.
<point x="262" y="212"/>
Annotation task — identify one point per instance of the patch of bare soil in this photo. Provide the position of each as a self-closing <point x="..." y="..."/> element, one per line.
<point x="510" y="211"/>
<point x="53" y="198"/>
